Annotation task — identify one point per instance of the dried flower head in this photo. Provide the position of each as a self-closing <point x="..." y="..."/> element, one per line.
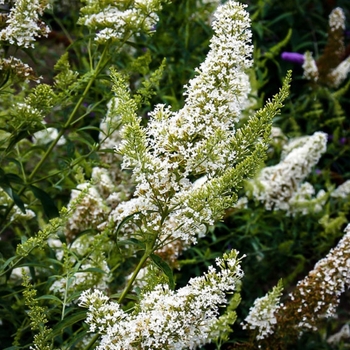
<point x="317" y="295"/>
<point x="18" y="70"/>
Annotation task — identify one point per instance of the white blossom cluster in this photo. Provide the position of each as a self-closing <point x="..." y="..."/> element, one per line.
<point x="262" y="316"/>
<point x="337" y="19"/>
<point x="165" y="319"/>
<point x="109" y="187"/>
<point x="342" y="191"/>
<point x="47" y="135"/>
<point x="24" y="24"/>
<point x="113" y="21"/>
<point x="340" y="73"/>
<point x="305" y="200"/>
<point x="310" y="67"/>
<point x="317" y="295"/>
<point x="193" y="141"/>
<point x="89" y="212"/>
<point x="280" y="186"/>
<point x="198" y="135"/>
<point x="343" y="334"/>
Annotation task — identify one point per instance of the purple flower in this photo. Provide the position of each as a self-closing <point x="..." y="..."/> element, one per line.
<point x="342" y="141"/>
<point x="293" y="57"/>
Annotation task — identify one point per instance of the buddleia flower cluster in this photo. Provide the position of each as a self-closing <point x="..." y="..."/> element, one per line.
<point x="23" y="24"/>
<point x="342" y="191"/>
<point x="176" y="147"/>
<point x="119" y="19"/>
<point x="282" y="186"/>
<point x="315" y="298"/>
<point x="186" y="167"/>
<point x="165" y="319"/>
<point x="262" y="315"/>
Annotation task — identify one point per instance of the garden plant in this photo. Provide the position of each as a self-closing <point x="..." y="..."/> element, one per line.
<point x="174" y="174"/>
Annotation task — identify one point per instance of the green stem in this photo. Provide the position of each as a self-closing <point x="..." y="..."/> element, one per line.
<point x="126" y="290"/>
<point x="72" y="115"/>
<point x="150" y="247"/>
<point x="100" y="65"/>
<point x="92" y="342"/>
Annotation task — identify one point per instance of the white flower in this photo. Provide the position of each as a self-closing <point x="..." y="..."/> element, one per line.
<point x="16" y="214"/>
<point x="339" y="74"/>
<point x="342" y="191"/>
<point x="165" y="319"/>
<point x="89" y="212"/>
<point x="215" y="99"/>
<point x="47" y="135"/>
<point x="343" y="334"/>
<point x="112" y="22"/>
<point x="318" y="294"/>
<point x="302" y="200"/>
<point x="103" y="181"/>
<point x="23" y="23"/>
<point x="192" y="142"/>
<point x="280" y="186"/>
<point x="337" y="19"/>
<point x="262" y="316"/>
<point x="310" y="67"/>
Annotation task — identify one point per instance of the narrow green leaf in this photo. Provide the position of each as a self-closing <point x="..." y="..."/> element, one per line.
<point x="8" y="262"/>
<point x="67" y="322"/>
<point x="163" y="265"/>
<point x="132" y="241"/>
<point x="48" y="204"/>
<point x="50" y="297"/>
<point x="14" y="196"/>
<point x="15" y="138"/>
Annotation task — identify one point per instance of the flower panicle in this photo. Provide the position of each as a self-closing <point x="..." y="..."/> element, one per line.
<point x="160" y="321"/>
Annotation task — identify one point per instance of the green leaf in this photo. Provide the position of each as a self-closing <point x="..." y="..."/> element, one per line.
<point x="163" y="265"/>
<point x="124" y="221"/>
<point x="8" y="262"/>
<point x="128" y="296"/>
<point x="132" y="241"/>
<point x="10" y="177"/>
<point x="5" y="184"/>
<point x="68" y="321"/>
<point x="15" y="138"/>
<point x="14" y="196"/>
<point x="94" y="270"/>
<point x="48" y="204"/>
<point x="50" y="297"/>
